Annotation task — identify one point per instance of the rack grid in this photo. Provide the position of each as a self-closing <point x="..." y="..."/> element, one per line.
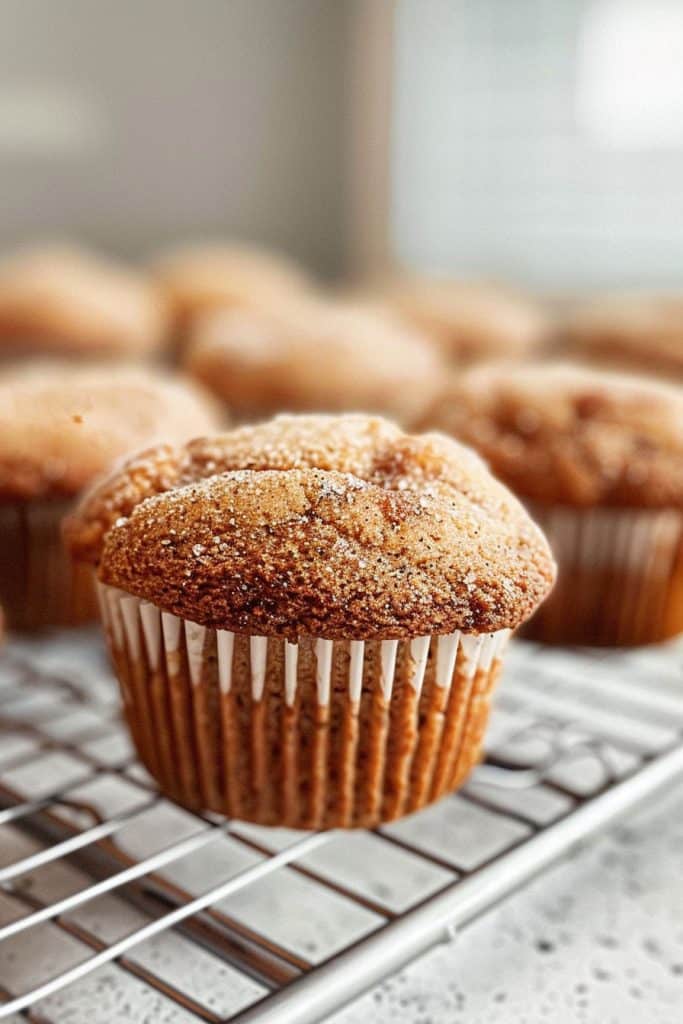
<point x="112" y="896"/>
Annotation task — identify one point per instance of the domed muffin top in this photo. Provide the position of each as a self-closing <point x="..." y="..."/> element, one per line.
<point x="61" y="425"/>
<point x="471" y="321"/>
<point x="64" y="301"/>
<point x="339" y="527"/>
<point x="639" y="330"/>
<point x="563" y="434"/>
<point x="314" y="356"/>
<point x="206" y="275"/>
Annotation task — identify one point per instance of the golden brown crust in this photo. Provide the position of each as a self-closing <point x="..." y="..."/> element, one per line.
<point x="204" y="276"/>
<point x="63" y="425"/>
<point x="370" y="448"/>
<point x="331" y="527"/>
<point x="631" y="332"/>
<point x="63" y="301"/>
<point x="471" y="321"/>
<point x="562" y="434"/>
<point x="314" y="355"/>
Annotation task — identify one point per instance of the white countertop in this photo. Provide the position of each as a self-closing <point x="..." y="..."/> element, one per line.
<point x="596" y="940"/>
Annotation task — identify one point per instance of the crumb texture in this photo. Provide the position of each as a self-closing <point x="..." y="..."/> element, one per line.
<point x="338" y="527"/>
<point x="562" y="434"/>
<point x="62" y="426"/>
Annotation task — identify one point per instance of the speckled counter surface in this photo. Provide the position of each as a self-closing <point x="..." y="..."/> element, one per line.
<point x="596" y="940"/>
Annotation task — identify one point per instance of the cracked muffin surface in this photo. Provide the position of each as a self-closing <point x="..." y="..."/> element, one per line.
<point x="318" y="525"/>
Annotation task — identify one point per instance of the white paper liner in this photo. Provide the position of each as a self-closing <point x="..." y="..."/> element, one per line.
<point x="184" y="687"/>
<point x="619" y="575"/>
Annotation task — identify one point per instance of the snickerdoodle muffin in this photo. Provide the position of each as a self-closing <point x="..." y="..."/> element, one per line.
<point x="61" y="425"/>
<point x="640" y="332"/>
<point x="62" y="301"/>
<point x="471" y="321"/>
<point x="598" y="457"/>
<point x="203" y="276"/>
<point x="321" y="356"/>
<point x="307" y="616"/>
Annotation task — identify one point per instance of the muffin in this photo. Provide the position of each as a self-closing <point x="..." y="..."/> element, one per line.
<point x="64" y="301"/>
<point x="307" y="616"/>
<point x="320" y="356"/>
<point x="200" y="277"/>
<point x="639" y="332"/>
<point x="471" y="321"/>
<point x="61" y="425"/>
<point x="598" y="458"/>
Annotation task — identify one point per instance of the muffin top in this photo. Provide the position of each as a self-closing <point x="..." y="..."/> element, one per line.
<point x="471" y="321"/>
<point x="65" y="301"/>
<point x="336" y="527"/>
<point x="563" y="434"/>
<point x="314" y="356"/>
<point x="61" y="425"/>
<point x="206" y="275"/>
<point x="636" y="331"/>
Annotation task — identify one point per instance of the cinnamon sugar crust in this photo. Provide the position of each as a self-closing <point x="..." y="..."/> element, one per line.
<point x="563" y="434"/>
<point x="315" y="356"/>
<point x="62" y="425"/>
<point x="334" y="527"/>
<point x="64" y="301"/>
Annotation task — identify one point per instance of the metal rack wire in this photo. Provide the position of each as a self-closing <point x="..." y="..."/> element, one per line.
<point x="110" y="894"/>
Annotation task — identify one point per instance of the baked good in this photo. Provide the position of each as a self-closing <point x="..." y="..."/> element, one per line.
<point x="598" y="457"/>
<point x="471" y="321"/>
<point x="308" y="615"/>
<point x="640" y="332"/>
<point x="56" y="300"/>
<point x="322" y="356"/>
<point x="203" y="276"/>
<point x="61" y="425"/>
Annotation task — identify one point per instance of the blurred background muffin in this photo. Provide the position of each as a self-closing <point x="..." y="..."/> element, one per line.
<point x="204" y="276"/>
<point x="598" y="458"/>
<point x="61" y="426"/>
<point x="471" y="321"/>
<point x="65" y="301"/>
<point x="314" y="355"/>
<point x="641" y="332"/>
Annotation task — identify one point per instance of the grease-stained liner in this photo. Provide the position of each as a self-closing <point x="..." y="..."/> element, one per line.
<point x="316" y="734"/>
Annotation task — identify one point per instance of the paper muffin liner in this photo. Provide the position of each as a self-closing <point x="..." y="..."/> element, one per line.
<point x="316" y="734"/>
<point x="620" y="578"/>
<point x="39" y="585"/>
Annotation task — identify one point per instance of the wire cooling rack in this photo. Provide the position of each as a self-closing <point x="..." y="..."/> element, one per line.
<point x="117" y="904"/>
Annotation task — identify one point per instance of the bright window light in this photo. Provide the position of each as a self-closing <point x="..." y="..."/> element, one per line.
<point x="630" y="74"/>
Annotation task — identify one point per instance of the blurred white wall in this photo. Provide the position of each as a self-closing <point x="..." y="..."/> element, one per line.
<point x="135" y="122"/>
<point x="540" y="139"/>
